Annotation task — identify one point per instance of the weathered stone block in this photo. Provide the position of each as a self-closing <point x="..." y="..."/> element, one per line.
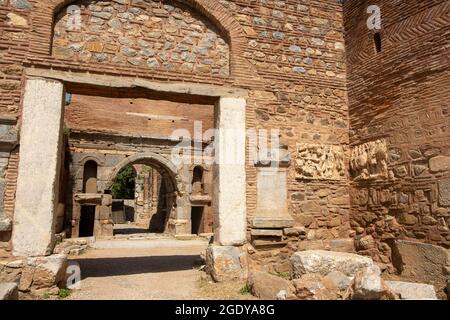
<point x="224" y="263"/>
<point x="444" y="192"/>
<point x="342" y="245"/>
<point x="104" y="213"/>
<point x="272" y="192"/>
<point x="421" y="262"/>
<point x="439" y="164"/>
<point x="9" y="291"/>
<point x="272" y="223"/>
<point x="266" y="286"/>
<point x="412" y="291"/>
<point x="324" y="262"/>
<point x="368" y="285"/>
<point x="49" y="271"/>
<point x="267" y="232"/>
<point x="107" y="200"/>
<point x="16" y="20"/>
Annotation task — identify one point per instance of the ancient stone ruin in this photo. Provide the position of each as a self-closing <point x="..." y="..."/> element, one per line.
<point x="295" y="136"/>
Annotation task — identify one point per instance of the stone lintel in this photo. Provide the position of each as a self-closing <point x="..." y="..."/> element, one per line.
<point x="200" y="199"/>
<point x="88" y="198"/>
<point x="129" y="82"/>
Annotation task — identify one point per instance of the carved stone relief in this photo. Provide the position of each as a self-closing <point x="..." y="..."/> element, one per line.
<point x="369" y="160"/>
<point x="322" y="162"/>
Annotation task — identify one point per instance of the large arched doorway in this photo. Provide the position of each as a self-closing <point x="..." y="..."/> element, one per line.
<point x="146" y="189"/>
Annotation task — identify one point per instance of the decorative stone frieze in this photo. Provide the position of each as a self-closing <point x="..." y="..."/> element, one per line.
<point x="320" y="162"/>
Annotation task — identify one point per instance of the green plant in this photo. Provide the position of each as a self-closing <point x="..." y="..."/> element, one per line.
<point x="124" y="184"/>
<point x="64" y="293"/>
<point x="245" y="290"/>
<point x="67" y="132"/>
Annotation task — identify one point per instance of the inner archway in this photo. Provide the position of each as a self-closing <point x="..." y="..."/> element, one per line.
<point x="145" y="194"/>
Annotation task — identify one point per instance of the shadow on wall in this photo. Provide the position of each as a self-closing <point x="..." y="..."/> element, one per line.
<point x="106" y="267"/>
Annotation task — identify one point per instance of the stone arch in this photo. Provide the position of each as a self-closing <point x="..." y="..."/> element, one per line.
<point x="173" y="197"/>
<point x="166" y="167"/>
<point x="240" y="69"/>
<point x="87" y="158"/>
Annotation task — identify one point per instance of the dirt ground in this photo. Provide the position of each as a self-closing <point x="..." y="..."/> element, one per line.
<point x="149" y="270"/>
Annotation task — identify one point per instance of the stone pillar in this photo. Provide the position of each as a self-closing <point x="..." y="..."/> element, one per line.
<point x="39" y="168"/>
<point x="229" y="173"/>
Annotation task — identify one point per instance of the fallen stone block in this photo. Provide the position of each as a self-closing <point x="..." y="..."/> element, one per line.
<point x="340" y="280"/>
<point x="268" y="287"/>
<point x="44" y="272"/>
<point x="412" y="291"/>
<point x="324" y="262"/>
<point x="313" y="286"/>
<point x="422" y="262"/>
<point x="368" y="285"/>
<point x="224" y="263"/>
<point x="9" y="291"/>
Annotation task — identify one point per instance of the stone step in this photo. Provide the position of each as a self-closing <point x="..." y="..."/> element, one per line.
<point x="267" y="232"/>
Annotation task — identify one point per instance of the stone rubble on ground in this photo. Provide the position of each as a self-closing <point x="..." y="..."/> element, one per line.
<point x="327" y="275"/>
<point x="368" y="285"/>
<point x="266" y="286"/>
<point x="36" y="277"/>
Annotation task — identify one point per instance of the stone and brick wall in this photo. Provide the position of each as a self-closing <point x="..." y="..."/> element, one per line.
<point x="146" y="34"/>
<point x="399" y="124"/>
<point x="289" y="55"/>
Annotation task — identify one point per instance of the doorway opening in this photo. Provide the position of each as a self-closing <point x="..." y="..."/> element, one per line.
<point x="143" y="198"/>
<point x="87" y="221"/>
<point x="197" y="218"/>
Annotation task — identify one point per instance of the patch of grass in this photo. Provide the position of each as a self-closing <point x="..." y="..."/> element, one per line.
<point x="46" y="296"/>
<point x="64" y="293"/>
<point x="284" y="275"/>
<point x="245" y="290"/>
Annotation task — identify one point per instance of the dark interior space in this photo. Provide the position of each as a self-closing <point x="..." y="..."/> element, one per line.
<point x="197" y="220"/>
<point x="87" y="221"/>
